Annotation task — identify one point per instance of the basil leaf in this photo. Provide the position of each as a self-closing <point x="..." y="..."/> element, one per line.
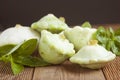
<point x="101" y="36"/>
<point x="30" y="61"/>
<point x="27" y="48"/>
<point x="117" y="32"/>
<point x="118" y="53"/>
<point x="16" y="68"/>
<point x="117" y="41"/>
<point x="14" y="49"/>
<point x="108" y="45"/>
<point x="5" y="49"/>
<point x="86" y="24"/>
<point x="114" y="48"/>
<point x="112" y="33"/>
<point x="5" y="57"/>
<point x="109" y="39"/>
<point x="19" y="55"/>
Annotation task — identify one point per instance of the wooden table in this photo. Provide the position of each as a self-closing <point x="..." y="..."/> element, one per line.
<point x="65" y="71"/>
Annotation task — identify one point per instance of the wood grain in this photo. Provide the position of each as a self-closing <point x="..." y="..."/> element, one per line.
<point x="67" y="71"/>
<point x="112" y="70"/>
<point x="6" y="73"/>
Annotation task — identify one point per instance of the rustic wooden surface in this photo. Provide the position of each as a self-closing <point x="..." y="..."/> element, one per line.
<point x="65" y="71"/>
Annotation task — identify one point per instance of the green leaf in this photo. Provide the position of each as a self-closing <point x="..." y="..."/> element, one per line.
<point x="16" y="68"/>
<point x="5" y="49"/>
<point x="114" y="48"/>
<point x="27" y="48"/>
<point x="14" y="49"/>
<point x="5" y="57"/>
<point x="31" y="61"/>
<point x="86" y="24"/>
<point x="21" y="53"/>
<point x="101" y="36"/>
<point x="118" y="53"/>
<point x="108" y="45"/>
<point x="109" y="39"/>
<point x="117" y="32"/>
<point x="117" y="41"/>
<point x="112" y="33"/>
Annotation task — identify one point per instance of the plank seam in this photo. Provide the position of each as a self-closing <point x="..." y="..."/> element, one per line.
<point x="33" y="73"/>
<point x="104" y="74"/>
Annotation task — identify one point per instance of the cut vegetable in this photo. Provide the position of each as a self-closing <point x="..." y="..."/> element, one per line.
<point x="54" y="48"/>
<point x="17" y="34"/>
<point x="79" y="36"/>
<point x="92" y="56"/>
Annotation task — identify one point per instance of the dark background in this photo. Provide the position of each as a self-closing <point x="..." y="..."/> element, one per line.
<point x="76" y="12"/>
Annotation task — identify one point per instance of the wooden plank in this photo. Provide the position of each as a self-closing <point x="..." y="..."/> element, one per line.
<point x="67" y="71"/>
<point x="112" y="70"/>
<point x="6" y="73"/>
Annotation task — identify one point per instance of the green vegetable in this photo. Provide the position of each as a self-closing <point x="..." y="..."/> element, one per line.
<point x="17" y="34"/>
<point x="50" y="23"/>
<point x="79" y="36"/>
<point x="92" y="56"/>
<point x="55" y="48"/>
<point x="109" y="38"/>
<point x="20" y="55"/>
<point x="86" y="24"/>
